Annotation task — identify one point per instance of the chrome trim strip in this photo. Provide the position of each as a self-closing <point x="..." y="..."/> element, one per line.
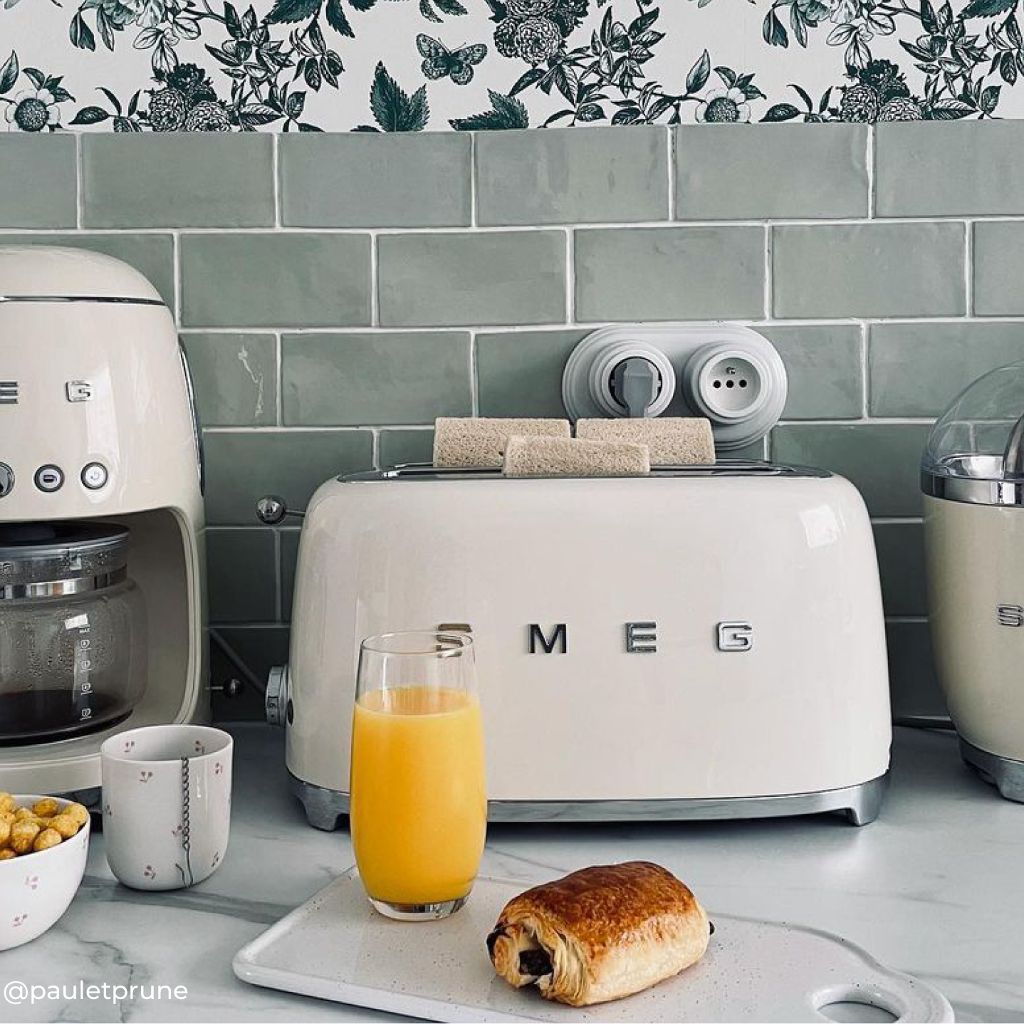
<point x="1006" y="774"/>
<point x="114" y="299"/>
<point x="723" y="468"/>
<point x="62" y="588"/>
<point x="972" y="491"/>
<point x="326" y="808"/>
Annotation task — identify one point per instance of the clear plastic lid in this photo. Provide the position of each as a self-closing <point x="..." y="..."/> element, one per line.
<point x="981" y="435"/>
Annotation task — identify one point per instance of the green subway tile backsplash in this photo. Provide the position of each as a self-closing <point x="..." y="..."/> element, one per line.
<point x="38" y="184"/>
<point x="242" y="575"/>
<point x="275" y="280"/>
<point x="715" y="179"/>
<point x="235" y="378"/>
<point x="603" y="174"/>
<point x="671" y="273"/>
<point x="385" y="181"/>
<point x="177" y="181"/>
<point x="338" y="292"/>
<point x="353" y="379"/>
<point x="498" y="277"/>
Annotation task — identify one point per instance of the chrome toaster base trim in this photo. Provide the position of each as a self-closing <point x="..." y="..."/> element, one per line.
<point x="325" y="808"/>
<point x="1004" y="773"/>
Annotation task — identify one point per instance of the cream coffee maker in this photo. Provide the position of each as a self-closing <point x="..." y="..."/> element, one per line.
<point x="102" y="609"/>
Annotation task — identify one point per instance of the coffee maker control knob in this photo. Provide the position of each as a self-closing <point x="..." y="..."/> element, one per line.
<point x="276" y="701"/>
<point x="6" y="479"/>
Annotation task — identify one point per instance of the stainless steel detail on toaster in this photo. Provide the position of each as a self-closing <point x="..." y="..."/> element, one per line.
<point x="1006" y="774"/>
<point x="1010" y="615"/>
<point x="276" y="697"/>
<point x="736" y="635"/>
<point x="326" y="809"/>
<point x="722" y="468"/>
<point x="641" y="638"/>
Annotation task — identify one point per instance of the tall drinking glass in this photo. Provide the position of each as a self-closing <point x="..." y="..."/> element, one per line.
<point x="418" y="809"/>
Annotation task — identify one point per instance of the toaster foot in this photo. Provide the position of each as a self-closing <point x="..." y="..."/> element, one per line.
<point x="325" y="809"/>
<point x="866" y="801"/>
<point x="1004" y="773"/>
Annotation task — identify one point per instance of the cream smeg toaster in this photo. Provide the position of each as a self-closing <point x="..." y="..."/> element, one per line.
<point x="705" y="642"/>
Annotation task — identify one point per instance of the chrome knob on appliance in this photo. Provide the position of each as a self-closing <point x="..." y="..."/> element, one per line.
<point x="277" y="699"/>
<point x="272" y="509"/>
<point x="6" y="479"/>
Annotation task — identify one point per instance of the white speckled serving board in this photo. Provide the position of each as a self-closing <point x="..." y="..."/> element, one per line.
<point x="336" y="946"/>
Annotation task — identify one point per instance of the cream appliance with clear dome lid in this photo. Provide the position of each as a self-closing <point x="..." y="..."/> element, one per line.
<point x="102" y="608"/>
<point x="972" y="475"/>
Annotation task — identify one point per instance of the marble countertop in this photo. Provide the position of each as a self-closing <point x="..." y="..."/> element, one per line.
<point x="933" y="887"/>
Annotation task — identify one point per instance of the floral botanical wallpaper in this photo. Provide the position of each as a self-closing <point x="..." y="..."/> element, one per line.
<point x="415" y="65"/>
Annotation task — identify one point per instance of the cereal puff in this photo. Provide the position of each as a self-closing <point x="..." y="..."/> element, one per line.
<point x="47" y="837"/>
<point x="7" y="802"/>
<point x="64" y="824"/>
<point x="23" y="835"/>
<point x="5" y="834"/>
<point x="7" y="854"/>
<point x="77" y="813"/>
<point x="46" y="808"/>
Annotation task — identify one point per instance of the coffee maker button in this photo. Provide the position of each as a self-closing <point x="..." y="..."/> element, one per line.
<point x="49" y="478"/>
<point x="6" y="479"/>
<point x="94" y="476"/>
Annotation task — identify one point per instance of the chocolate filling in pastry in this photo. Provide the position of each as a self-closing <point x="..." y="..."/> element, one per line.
<point x="535" y="962"/>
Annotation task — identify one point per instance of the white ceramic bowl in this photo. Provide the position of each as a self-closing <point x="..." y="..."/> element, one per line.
<point x="36" y="888"/>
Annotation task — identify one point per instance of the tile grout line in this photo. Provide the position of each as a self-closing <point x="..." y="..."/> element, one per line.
<point x="865" y="371"/>
<point x="278" y="578"/>
<point x="570" y="276"/>
<point x="869" y="160"/>
<point x="820" y="222"/>
<point x="531" y="327"/>
<point x="374" y="277"/>
<point x="279" y="371"/>
<point x="673" y="156"/>
<point x="968" y="268"/>
<point x="275" y="163"/>
<point x="474" y="383"/>
<point x="176" y="259"/>
<point x="472" y="180"/>
<point x="375" y="447"/>
<point x="79" y="185"/>
<point x="768" y="278"/>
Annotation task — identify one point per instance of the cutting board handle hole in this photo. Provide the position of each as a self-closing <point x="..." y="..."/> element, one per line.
<point x="851" y="1004"/>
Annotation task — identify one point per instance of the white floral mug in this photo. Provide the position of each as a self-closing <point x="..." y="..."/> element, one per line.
<point x="166" y="804"/>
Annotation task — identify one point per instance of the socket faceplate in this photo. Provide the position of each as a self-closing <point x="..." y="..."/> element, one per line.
<point x="697" y="361"/>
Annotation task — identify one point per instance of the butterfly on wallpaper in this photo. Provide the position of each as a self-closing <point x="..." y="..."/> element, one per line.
<point x="439" y="61"/>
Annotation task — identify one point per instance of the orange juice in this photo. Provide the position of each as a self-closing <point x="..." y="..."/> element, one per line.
<point x="419" y="805"/>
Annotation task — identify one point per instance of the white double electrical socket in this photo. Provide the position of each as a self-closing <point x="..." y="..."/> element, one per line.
<point x="726" y="372"/>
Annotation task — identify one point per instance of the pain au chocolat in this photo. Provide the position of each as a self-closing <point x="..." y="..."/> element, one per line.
<point x="599" y="934"/>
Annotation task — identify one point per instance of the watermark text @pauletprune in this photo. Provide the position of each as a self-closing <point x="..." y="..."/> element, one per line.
<point x="21" y="993"/>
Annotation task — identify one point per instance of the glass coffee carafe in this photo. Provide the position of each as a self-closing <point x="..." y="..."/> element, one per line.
<point x="72" y="631"/>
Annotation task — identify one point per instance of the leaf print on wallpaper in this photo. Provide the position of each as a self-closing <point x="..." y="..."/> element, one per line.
<point x="310" y="65"/>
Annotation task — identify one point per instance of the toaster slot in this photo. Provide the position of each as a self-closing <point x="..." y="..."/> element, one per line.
<point x="722" y="468"/>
